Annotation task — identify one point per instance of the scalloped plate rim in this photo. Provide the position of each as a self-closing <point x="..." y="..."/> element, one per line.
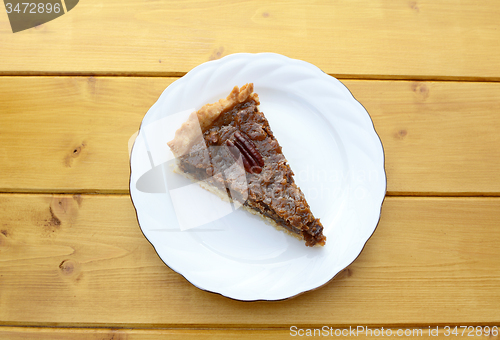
<point x="192" y="73"/>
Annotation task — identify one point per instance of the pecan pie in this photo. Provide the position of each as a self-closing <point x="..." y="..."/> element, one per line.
<point x="228" y="147"/>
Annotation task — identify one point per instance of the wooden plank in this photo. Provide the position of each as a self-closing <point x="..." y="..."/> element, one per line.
<point x="70" y="134"/>
<point x="399" y="39"/>
<point x="83" y="261"/>
<point x="21" y="333"/>
<point x="438" y="137"/>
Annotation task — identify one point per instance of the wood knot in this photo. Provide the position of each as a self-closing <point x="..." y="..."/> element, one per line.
<point x="78" y="198"/>
<point x="54" y="221"/>
<point x="73" y="154"/>
<point x="71" y="270"/>
<point x="217" y="53"/>
<point x="67" y="267"/>
<point x="63" y="211"/>
<point x="414" y="6"/>
<point x="78" y="149"/>
<point x="401" y="134"/>
<point x="421" y="90"/>
<point x="92" y="85"/>
<point x="116" y="335"/>
<point x="4" y="233"/>
<point x="345" y="273"/>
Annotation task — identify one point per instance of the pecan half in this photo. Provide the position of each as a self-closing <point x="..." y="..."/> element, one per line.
<point x="235" y="152"/>
<point x="249" y="146"/>
<point x="252" y="159"/>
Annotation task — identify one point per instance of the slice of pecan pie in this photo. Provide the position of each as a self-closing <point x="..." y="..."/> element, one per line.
<point x="229" y="148"/>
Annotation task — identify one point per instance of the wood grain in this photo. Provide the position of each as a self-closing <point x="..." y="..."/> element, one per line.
<point x="439" y="137"/>
<point x="71" y="134"/>
<point x="379" y="39"/>
<point x="82" y="261"/>
<point x="75" y="265"/>
<point x="18" y="333"/>
<point x="60" y="133"/>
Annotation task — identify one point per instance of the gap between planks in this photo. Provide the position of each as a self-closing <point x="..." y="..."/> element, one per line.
<point x="222" y="327"/>
<point x="127" y="193"/>
<point x="173" y="74"/>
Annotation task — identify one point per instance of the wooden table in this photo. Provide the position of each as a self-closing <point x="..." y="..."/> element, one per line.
<point x="73" y="261"/>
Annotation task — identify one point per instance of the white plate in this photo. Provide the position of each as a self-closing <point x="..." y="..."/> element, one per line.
<point x="331" y="145"/>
